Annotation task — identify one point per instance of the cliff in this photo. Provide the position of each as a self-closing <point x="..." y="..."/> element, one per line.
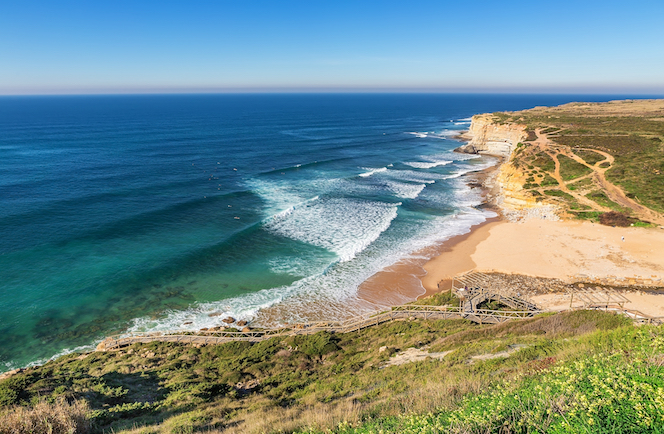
<point x="488" y="137"/>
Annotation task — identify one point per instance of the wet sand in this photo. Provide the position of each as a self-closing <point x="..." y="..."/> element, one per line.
<point x="410" y="279"/>
<point x="415" y="277"/>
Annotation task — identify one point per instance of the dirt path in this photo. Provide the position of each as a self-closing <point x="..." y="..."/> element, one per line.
<point x="549" y="147"/>
<point x="612" y="191"/>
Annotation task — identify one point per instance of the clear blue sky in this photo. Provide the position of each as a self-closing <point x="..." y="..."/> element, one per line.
<point x="244" y="45"/>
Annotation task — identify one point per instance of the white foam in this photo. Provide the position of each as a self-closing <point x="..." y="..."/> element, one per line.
<point x="197" y="317"/>
<point x="290" y="209"/>
<point x="338" y="282"/>
<point x="340" y="225"/>
<point x="427" y="165"/>
<point x="444" y="134"/>
<point x="372" y="171"/>
<point x="294" y="266"/>
<point x="457" y="174"/>
<point x="278" y="197"/>
<point x="354" y="230"/>
<point x="414" y="176"/>
<point x="405" y="190"/>
<point x="81" y="349"/>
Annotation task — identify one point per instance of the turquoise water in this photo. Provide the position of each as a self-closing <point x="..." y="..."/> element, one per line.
<point x="144" y="212"/>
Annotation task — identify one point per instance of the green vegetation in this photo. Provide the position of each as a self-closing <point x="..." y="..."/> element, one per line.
<point x="543" y="161"/>
<point x="592" y="216"/>
<point x="641" y="224"/>
<point x="302" y="382"/>
<point x="571" y="169"/>
<point x="566" y="198"/>
<point x="445" y="298"/>
<point x="590" y="157"/>
<point x="601" y="198"/>
<point x="548" y="181"/>
<point x="618" y="386"/>
<point x="582" y="184"/>
<point x="632" y="134"/>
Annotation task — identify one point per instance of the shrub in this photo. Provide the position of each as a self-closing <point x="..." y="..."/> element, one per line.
<point x="613" y="218"/>
<point x="12" y="390"/>
<point x="317" y="345"/>
<point x="58" y="418"/>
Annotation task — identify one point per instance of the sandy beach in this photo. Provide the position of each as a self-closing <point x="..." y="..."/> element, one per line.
<point x="554" y="249"/>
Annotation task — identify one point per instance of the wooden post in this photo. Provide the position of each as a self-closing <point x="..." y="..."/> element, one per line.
<point x="571" y="299"/>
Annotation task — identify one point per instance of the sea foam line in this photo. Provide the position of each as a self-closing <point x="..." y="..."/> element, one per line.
<point x="372" y="171"/>
<point x="427" y="165"/>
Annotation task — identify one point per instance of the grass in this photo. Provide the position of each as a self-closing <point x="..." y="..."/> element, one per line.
<point x="635" y="141"/>
<point x="589" y="215"/>
<point x="600" y="197"/>
<point x="57" y="417"/>
<point x="548" y="181"/>
<point x="589" y="157"/>
<point x="641" y="224"/>
<point x="567" y="199"/>
<point x="543" y="161"/>
<point x="582" y="184"/>
<point x="571" y="169"/>
<point x="615" y="385"/>
<point x="445" y="298"/>
<point x="295" y="383"/>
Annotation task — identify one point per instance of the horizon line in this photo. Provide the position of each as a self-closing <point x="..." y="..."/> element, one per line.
<point x="345" y="90"/>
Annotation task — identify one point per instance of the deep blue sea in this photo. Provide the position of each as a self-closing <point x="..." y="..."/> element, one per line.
<point x="145" y="212"/>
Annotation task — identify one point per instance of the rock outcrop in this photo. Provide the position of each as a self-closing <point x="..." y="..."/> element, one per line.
<point x="488" y="137"/>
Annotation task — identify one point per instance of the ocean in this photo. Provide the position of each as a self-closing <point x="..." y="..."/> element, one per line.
<point x="151" y="212"/>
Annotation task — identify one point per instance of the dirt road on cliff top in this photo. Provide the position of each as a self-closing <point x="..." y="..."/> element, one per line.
<point x="612" y="191"/>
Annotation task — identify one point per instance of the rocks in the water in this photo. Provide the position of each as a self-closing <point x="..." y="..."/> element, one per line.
<point x="187" y="323"/>
<point x="242" y="323"/>
<point x="466" y="149"/>
<point x="204" y="329"/>
<point x="229" y="320"/>
<point x="246" y="330"/>
<point x="213" y="314"/>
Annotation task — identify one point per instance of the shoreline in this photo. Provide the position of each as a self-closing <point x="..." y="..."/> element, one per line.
<point x="397" y="284"/>
<point x="412" y="278"/>
<point x="526" y="241"/>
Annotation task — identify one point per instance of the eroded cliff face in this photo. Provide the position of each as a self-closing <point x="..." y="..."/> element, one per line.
<point x="487" y="137"/>
<point x="510" y="181"/>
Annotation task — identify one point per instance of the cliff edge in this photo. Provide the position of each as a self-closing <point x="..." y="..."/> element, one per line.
<point x="486" y="136"/>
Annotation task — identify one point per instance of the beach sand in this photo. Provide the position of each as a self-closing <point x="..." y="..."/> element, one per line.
<point x="566" y="250"/>
<point x="649" y="303"/>
<point x="563" y="250"/>
<point x="410" y="279"/>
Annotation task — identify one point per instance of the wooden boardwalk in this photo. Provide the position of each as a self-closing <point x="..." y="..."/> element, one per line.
<point x="481" y="316"/>
<point x="470" y="288"/>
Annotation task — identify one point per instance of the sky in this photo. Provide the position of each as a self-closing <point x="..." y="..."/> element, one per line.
<point x="580" y="46"/>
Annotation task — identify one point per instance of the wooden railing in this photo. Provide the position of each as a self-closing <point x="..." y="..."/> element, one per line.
<point x="354" y="324"/>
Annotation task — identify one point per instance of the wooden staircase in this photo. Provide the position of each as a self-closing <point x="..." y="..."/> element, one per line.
<point x="467" y="311"/>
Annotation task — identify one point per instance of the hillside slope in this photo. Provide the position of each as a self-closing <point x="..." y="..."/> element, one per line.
<point x="316" y="382"/>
